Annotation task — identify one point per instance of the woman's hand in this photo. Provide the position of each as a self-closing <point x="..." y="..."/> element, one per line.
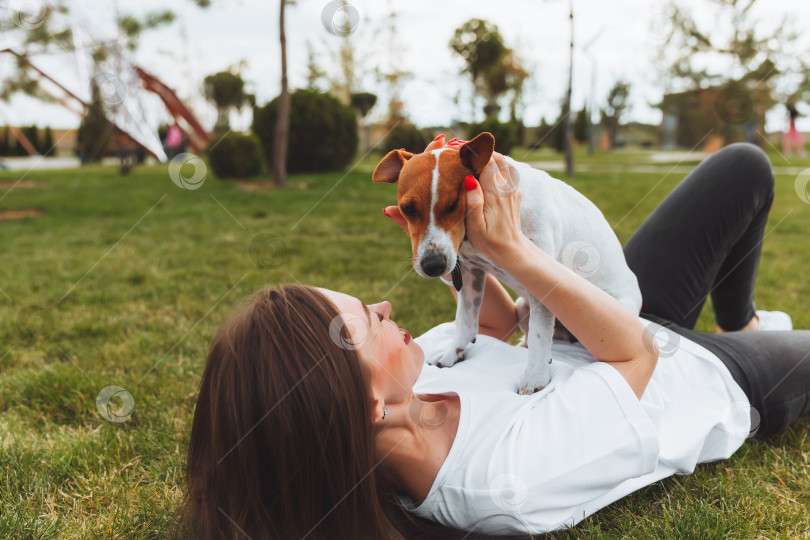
<point x="493" y="210"/>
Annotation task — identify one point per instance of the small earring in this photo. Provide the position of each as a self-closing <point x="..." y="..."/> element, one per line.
<point x="385" y="411"/>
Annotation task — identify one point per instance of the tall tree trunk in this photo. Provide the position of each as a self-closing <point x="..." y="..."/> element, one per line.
<point x="569" y="156"/>
<point x="223" y="121"/>
<point x="283" y="113"/>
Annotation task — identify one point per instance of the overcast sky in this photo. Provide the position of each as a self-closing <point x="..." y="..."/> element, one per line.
<point x="204" y="41"/>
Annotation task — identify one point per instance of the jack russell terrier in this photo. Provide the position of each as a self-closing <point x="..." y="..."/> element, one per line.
<point x="556" y="217"/>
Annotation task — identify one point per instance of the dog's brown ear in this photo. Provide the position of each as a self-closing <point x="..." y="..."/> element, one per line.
<point x="476" y="153"/>
<point x="389" y="168"/>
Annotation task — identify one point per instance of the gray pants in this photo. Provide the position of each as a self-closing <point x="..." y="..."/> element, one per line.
<point x="705" y="239"/>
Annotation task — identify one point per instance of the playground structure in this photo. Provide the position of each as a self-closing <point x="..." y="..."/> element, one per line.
<point x="131" y="133"/>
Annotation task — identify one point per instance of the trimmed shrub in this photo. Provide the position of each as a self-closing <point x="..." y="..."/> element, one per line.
<point x="405" y="136"/>
<point x="236" y="155"/>
<point x="323" y="132"/>
<point x="47" y="144"/>
<point x="93" y="136"/>
<point x="506" y="133"/>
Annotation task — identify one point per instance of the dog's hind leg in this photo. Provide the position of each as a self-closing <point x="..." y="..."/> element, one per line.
<point x="541" y="328"/>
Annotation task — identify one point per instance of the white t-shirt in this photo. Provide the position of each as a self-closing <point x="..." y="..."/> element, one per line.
<point x="533" y="464"/>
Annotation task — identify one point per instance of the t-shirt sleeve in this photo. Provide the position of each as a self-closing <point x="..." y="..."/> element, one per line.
<point x="591" y="435"/>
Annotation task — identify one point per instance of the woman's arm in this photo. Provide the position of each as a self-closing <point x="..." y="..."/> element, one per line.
<point x="602" y="324"/>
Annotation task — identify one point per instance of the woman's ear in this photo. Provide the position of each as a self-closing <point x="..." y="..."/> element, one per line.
<point x="378" y="409"/>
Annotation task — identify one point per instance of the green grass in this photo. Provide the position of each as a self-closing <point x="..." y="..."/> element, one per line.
<point x="100" y="290"/>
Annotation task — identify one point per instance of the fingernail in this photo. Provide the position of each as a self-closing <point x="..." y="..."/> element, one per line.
<point x="462" y="142"/>
<point x="438" y="137"/>
<point x="470" y="183"/>
<point x="386" y="213"/>
<point x="451" y="141"/>
<point x="401" y="149"/>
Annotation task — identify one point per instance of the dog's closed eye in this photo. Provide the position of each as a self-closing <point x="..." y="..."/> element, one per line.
<point x="408" y="210"/>
<point x="452" y="207"/>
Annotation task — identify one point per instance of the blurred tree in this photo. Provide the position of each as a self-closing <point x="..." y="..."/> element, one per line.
<point x="481" y="46"/>
<point x="505" y="133"/>
<point x="132" y="27"/>
<point x="362" y="103"/>
<point x="405" y="135"/>
<point x="351" y="60"/>
<point x="315" y="74"/>
<point x="617" y="104"/>
<point x="557" y="131"/>
<point x="92" y="139"/>
<point x="542" y="134"/>
<point x="567" y="121"/>
<point x="226" y="90"/>
<point x="32" y="134"/>
<point x="53" y="33"/>
<point x="581" y="125"/>
<point x="236" y="155"/>
<point x="516" y="76"/>
<point x="47" y="145"/>
<point x="322" y="133"/>
<point x="389" y="71"/>
<point x="736" y="54"/>
<point x="282" y="128"/>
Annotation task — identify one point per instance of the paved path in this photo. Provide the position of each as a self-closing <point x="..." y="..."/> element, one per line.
<point x="39" y="163"/>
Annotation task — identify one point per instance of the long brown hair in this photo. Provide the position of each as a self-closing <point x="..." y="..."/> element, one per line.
<point x="282" y="442"/>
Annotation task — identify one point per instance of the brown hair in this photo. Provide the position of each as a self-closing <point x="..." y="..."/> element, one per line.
<point x="282" y="443"/>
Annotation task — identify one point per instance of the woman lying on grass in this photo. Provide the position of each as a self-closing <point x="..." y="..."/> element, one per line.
<point x="317" y="417"/>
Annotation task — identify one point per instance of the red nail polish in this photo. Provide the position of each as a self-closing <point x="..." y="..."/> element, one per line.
<point x="462" y="142"/>
<point x="451" y="141"/>
<point x="386" y="213"/>
<point x="438" y="137"/>
<point x="470" y="183"/>
<point x="401" y="149"/>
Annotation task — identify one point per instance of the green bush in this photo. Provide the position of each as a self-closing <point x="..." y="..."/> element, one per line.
<point x="323" y="132"/>
<point x="506" y="133"/>
<point x="93" y="136"/>
<point x="405" y="136"/>
<point x="46" y="144"/>
<point x="236" y="155"/>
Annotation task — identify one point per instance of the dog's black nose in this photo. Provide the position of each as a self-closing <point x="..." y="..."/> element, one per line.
<point x="434" y="265"/>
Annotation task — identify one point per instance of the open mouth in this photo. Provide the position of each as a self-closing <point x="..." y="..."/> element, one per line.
<point x="406" y="336"/>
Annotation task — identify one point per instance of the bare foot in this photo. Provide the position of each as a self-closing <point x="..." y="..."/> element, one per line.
<point x="752" y="326"/>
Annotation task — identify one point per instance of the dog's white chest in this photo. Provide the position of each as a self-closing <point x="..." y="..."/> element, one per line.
<point x="477" y="260"/>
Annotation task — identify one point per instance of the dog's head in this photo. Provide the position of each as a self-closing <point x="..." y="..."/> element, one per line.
<point x="432" y="198"/>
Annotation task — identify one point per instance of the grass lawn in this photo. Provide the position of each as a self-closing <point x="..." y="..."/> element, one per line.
<point x="122" y="281"/>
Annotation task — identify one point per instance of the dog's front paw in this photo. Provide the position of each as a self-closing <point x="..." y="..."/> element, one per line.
<point x="535" y="379"/>
<point x="447" y="358"/>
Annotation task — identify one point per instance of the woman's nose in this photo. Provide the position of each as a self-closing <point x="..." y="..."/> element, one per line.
<point x="385" y="308"/>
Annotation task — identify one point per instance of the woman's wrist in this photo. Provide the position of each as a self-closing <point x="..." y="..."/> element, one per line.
<point x="513" y="253"/>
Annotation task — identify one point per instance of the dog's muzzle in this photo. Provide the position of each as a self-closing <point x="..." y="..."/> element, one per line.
<point x="434" y="265"/>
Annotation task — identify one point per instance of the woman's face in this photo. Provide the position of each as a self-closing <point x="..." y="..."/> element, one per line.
<point x="394" y="359"/>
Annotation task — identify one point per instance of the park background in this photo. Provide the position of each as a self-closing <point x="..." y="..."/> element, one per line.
<point x="123" y="252"/>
